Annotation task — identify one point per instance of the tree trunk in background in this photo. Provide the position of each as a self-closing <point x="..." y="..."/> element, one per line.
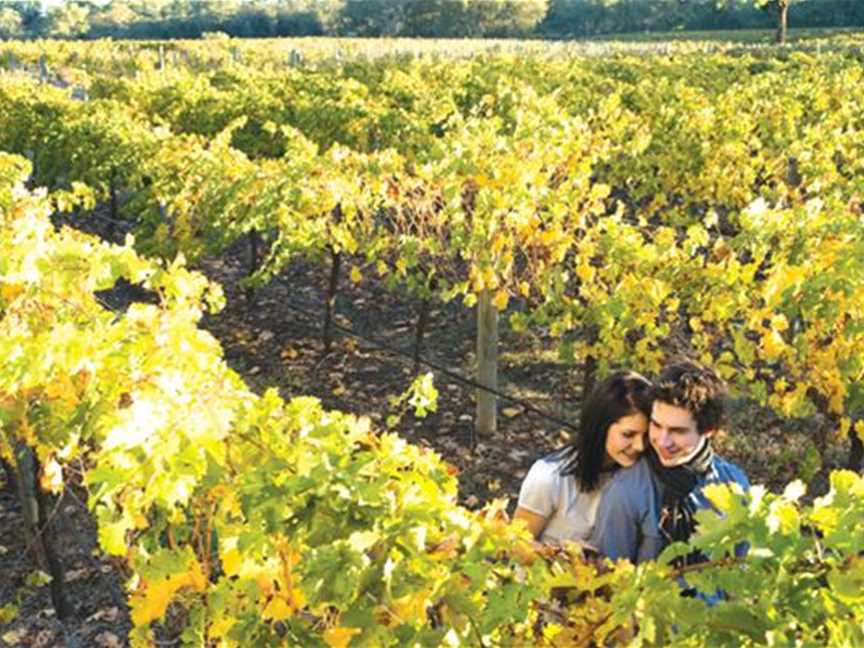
<point x="782" y="21"/>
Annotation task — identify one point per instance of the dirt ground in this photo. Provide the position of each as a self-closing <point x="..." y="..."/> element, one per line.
<point x="275" y="340"/>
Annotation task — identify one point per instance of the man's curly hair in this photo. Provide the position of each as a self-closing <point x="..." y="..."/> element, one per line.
<point x="696" y="389"/>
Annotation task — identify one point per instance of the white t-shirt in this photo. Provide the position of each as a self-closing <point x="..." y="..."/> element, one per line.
<point x="569" y="512"/>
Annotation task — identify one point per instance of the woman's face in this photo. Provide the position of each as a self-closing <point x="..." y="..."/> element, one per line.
<point x="625" y="440"/>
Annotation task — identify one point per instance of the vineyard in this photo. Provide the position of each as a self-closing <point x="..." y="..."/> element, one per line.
<point x="595" y="206"/>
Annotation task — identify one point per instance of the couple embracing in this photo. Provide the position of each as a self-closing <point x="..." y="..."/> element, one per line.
<point x="659" y="435"/>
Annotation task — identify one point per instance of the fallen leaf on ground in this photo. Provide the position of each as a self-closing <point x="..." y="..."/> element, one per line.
<point x="76" y="574"/>
<point x="108" y="614"/>
<point x="108" y="640"/>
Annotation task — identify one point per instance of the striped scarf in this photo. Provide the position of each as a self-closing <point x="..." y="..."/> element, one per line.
<point x="677" y="523"/>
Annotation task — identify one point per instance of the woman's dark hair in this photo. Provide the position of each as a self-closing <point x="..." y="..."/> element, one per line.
<point x="620" y="394"/>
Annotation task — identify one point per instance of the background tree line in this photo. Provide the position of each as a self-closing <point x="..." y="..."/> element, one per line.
<point x="157" y="19"/>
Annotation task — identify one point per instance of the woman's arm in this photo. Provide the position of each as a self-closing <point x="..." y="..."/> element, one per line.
<point x="534" y="522"/>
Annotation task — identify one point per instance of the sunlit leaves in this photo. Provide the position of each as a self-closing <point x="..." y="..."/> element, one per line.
<point x="625" y="206"/>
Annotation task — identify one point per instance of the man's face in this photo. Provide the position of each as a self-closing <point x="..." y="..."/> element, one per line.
<point x="673" y="434"/>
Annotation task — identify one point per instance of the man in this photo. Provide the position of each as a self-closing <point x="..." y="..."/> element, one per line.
<point x="652" y="504"/>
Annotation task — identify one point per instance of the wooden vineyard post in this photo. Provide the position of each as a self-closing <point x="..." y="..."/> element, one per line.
<point x="43" y="69"/>
<point x="327" y="336"/>
<point x="34" y="509"/>
<point x="486" y="420"/>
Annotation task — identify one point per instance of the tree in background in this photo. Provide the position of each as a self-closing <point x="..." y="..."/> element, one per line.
<point x="567" y="18"/>
<point x="441" y="18"/>
<point x="507" y="18"/>
<point x="69" y="20"/>
<point x="154" y="19"/>
<point x="373" y="17"/>
<point x="11" y="23"/>
<point x="782" y="9"/>
<point x="20" y="18"/>
<point x="117" y="16"/>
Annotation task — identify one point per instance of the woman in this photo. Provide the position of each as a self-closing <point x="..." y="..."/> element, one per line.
<point x="559" y="497"/>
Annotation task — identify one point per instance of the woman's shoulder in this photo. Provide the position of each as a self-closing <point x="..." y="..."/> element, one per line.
<point x="547" y="469"/>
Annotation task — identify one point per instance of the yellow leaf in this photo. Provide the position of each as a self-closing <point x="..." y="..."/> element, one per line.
<point x="784" y="518"/>
<point x="410" y="606"/>
<point x="773" y="345"/>
<point x="112" y="537"/>
<point x="152" y="604"/>
<point x="221" y="626"/>
<point x="779" y="323"/>
<point x="231" y="562"/>
<point x="720" y="495"/>
<point x="264" y="582"/>
<point x="52" y="476"/>
<point x="298" y="598"/>
<point x="501" y="299"/>
<point x="277" y="609"/>
<point x="524" y="289"/>
<point x="9" y="292"/>
<point x="339" y="390"/>
<point x="62" y="389"/>
<point x="356" y="275"/>
<point x="490" y="279"/>
<point x="340" y="637"/>
<point x="585" y="272"/>
<point x="511" y="412"/>
<point x="859" y="429"/>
